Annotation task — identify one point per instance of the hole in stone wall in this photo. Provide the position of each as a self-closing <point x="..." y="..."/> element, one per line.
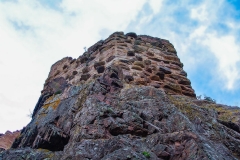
<point x="116" y="84"/>
<point x="161" y="75"/>
<point x="129" y="78"/>
<point x="114" y="75"/>
<point x="100" y="69"/>
<point x="56" y="143"/>
<point x="53" y="138"/>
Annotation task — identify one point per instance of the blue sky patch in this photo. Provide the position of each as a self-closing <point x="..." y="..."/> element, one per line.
<point x="9" y="1"/>
<point x="20" y="26"/>
<point x="53" y="4"/>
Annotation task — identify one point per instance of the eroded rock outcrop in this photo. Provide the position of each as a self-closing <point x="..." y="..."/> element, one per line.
<point x="127" y="97"/>
<point x="7" y="139"/>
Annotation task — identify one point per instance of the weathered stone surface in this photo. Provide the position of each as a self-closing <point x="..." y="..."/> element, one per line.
<point x="130" y="53"/>
<point x="132" y="34"/>
<point x="96" y="46"/>
<point x="85" y="77"/>
<point x="29" y="154"/>
<point x="165" y="70"/>
<point x="120" y="106"/>
<point x="7" y="139"/>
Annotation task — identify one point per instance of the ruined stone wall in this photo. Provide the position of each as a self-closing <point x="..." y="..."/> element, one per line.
<point x="144" y="60"/>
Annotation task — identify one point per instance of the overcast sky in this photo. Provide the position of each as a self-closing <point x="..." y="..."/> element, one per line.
<point x="34" y="34"/>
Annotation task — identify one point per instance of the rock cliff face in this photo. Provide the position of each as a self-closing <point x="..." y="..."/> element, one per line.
<point x="7" y="139"/>
<point x="126" y="97"/>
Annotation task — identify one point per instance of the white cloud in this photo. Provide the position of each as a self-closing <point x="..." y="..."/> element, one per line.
<point x="227" y="53"/>
<point x="114" y="14"/>
<point x="223" y="46"/>
<point x="200" y="13"/>
<point x="198" y="33"/>
<point x="156" y="5"/>
<point x="207" y="12"/>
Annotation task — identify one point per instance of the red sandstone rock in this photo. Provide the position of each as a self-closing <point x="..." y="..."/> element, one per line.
<point x="149" y="51"/>
<point x="7" y="139"/>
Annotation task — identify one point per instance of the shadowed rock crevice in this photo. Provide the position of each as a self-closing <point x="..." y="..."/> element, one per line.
<point x="230" y="125"/>
<point x="52" y="138"/>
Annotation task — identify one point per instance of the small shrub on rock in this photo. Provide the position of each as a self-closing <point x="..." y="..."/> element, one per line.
<point x="206" y="98"/>
<point x="146" y="154"/>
